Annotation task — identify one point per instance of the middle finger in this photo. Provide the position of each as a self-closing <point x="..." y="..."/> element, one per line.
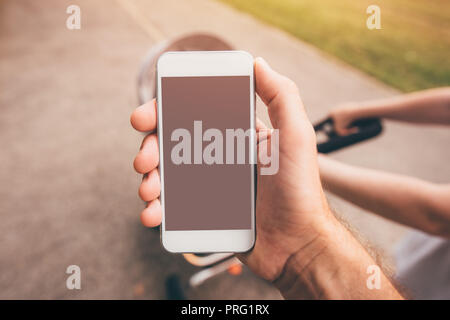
<point x="148" y="157"/>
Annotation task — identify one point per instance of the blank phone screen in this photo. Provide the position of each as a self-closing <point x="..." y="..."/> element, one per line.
<point x="206" y="187"/>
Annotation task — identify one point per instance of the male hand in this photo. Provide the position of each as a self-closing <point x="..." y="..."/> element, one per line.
<point x="291" y="209"/>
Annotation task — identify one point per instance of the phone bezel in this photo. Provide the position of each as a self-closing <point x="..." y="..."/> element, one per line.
<point x="206" y="63"/>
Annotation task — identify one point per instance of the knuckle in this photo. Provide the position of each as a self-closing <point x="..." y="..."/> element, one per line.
<point x="290" y="86"/>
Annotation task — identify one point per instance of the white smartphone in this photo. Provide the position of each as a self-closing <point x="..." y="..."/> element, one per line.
<point x="206" y="121"/>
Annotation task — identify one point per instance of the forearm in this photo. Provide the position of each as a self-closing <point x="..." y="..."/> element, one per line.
<point x="428" y="107"/>
<point x="407" y="200"/>
<point x="333" y="266"/>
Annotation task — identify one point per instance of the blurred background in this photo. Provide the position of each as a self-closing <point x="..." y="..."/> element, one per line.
<point x="68" y="191"/>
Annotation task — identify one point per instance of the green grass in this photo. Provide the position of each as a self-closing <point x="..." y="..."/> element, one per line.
<point x="410" y="52"/>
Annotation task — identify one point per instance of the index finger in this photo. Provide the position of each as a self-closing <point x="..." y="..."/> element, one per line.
<point x="143" y="117"/>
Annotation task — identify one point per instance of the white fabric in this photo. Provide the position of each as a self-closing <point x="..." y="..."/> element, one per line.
<point x="423" y="266"/>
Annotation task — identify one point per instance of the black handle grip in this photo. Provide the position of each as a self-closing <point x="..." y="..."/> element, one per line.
<point x="367" y="128"/>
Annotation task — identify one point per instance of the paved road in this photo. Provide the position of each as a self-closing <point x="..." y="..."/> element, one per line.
<point x="67" y="187"/>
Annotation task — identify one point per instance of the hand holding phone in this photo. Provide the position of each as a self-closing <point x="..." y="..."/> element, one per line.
<point x="291" y="209"/>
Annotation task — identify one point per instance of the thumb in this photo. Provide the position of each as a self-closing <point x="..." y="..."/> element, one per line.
<point x="281" y="96"/>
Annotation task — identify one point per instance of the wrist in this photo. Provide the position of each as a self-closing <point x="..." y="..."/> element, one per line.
<point x="350" y="111"/>
<point x="310" y="272"/>
<point x="332" y="266"/>
<point x="355" y="111"/>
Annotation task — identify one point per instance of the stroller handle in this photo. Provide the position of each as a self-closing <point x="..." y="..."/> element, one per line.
<point x="367" y="128"/>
